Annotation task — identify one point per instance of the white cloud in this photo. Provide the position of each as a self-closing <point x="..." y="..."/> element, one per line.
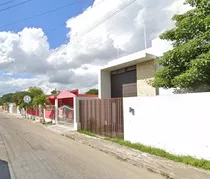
<point x="77" y="62"/>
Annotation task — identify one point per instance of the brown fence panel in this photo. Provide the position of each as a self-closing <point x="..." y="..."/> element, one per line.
<point x="102" y="116"/>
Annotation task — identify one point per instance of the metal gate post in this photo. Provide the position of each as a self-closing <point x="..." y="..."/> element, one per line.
<point x="56" y="111"/>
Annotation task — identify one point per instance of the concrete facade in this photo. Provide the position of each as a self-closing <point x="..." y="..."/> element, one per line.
<point x="145" y="72"/>
<point x="145" y="68"/>
<point x="158" y="48"/>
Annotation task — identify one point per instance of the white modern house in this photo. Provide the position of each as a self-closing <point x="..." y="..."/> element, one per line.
<point x="129" y="76"/>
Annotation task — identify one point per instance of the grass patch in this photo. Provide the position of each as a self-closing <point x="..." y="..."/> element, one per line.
<point x="47" y="123"/>
<point x="86" y="133"/>
<point x="200" y="163"/>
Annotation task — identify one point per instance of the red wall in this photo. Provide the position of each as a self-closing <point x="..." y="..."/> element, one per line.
<point x="50" y="114"/>
<point x="33" y="112"/>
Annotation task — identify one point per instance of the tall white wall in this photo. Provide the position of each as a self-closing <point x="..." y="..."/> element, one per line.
<point x="179" y="124"/>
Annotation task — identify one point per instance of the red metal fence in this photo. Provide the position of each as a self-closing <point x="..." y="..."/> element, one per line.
<point x="50" y="114"/>
<point x="33" y="112"/>
<point x="102" y="116"/>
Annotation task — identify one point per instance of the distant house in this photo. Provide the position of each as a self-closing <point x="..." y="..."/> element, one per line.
<point x="66" y="107"/>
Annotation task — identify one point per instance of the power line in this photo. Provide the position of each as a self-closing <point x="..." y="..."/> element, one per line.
<point x="45" y="13"/>
<point x="95" y="25"/>
<point x="19" y="4"/>
<point x="62" y="47"/>
<point x="63" y="24"/>
<point x="8" y="2"/>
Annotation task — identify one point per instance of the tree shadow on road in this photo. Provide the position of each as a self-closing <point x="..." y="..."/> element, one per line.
<point x="4" y="170"/>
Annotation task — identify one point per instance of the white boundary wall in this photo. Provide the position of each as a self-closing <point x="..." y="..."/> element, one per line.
<point x="179" y="124"/>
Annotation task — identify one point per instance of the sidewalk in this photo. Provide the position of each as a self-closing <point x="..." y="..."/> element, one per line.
<point x="61" y="129"/>
<point x="155" y="164"/>
<point x="168" y="168"/>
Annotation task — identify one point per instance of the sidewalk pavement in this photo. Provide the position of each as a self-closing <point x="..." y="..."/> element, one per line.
<point x="170" y="169"/>
<point x="61" y="129"/>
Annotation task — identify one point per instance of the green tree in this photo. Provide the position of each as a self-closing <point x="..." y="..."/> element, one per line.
<point x="35" y="91"/>
<point x="92" y="91"/>
<point x="40" y="100"/>
<point x="18" y="97"/>
<point x="55" y="91"/>
<point x="187" y="66"/>
<point x="6" y="98"/>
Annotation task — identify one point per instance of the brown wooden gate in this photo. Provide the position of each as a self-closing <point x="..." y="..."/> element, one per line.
<point x="102" y="116"/>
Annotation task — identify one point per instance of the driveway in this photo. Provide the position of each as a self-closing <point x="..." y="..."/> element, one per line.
<point x="28" y="151"/>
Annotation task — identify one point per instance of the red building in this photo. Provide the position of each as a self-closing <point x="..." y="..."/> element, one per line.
<point x="65" y="104"/>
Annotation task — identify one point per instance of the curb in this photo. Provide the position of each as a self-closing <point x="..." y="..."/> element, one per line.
<point x="167" y="168"/>
<point x="137" y="158"/>
<point x="120" y="157"/>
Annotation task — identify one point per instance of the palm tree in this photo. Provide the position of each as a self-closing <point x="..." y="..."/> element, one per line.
<point x="40" y="100"/>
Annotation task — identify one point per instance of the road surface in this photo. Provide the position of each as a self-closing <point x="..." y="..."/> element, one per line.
<point x="28" y="151"/>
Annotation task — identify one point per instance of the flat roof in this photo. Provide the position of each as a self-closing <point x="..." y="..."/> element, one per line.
<point x="129" y="60"/>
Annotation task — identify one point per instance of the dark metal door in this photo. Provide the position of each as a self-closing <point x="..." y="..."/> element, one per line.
<point x="120" y="78"/>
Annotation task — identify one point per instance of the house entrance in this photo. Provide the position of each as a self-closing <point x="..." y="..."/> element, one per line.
<point x="65" y="115"/>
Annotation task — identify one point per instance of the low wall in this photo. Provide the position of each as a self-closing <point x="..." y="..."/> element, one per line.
<point x="33" y="112"/>
<point x="50" y="114"/>
<point x="178" y="124"/>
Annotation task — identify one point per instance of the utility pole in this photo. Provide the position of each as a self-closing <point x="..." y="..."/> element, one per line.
<point x="144" y="28"/>
<point x="118" y="52"/>
<point x="145" y="36"/>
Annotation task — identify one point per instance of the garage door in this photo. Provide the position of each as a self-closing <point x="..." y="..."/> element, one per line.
<point x="123" y="77"/>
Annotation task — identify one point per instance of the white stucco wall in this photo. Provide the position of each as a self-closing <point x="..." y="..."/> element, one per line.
<point x="11" y="108"/>
<point x="178" y="124"/>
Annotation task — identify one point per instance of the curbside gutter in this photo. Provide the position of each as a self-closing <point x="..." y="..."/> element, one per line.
<point x="168" y="169"/>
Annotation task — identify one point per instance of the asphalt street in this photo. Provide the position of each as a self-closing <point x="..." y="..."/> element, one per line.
<point x="29" y="151"/>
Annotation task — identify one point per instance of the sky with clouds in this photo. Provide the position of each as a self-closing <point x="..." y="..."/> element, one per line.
<point x="93" y="34"/>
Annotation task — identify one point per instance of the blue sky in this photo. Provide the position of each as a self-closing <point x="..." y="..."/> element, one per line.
<point x="47" y="22"/>
<point x="66" y="69"/>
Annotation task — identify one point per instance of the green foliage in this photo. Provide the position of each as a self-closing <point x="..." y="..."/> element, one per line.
<point x="7" y="98"/>
<point x="17" y="98"/>
<point x="204" y="164"/>
<point x="35" y="91"/>
<point x="40" y="100"/>
<point x="55" y="91"/>
<point x="92" y="91"/>
<point x="86" y="133"/>
<point x="187" y="66"/>
<point x="47" y="123"/>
